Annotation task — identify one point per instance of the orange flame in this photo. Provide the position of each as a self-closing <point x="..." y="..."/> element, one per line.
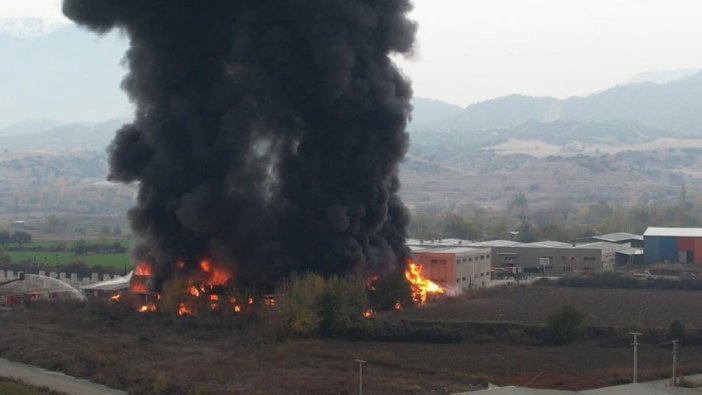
<point x="421" y="286"/>
<point x="398" y="306"/>
<point x="147" y="308"/>
<point x="214" y="297"/>
<point x="368" y="313"/>
<point x="138" y="287"/>
<point x="217" y="276"/>
<point x="116" y="297"/>
<point x="237" y="309"/>
<point x="193" y="291"/>
<point x="370" y="283"/>
<point x="269" y="300"/>
<point x="184" y="310"/>
<point x="142" y="269"/>
<point x="250" y="301"/>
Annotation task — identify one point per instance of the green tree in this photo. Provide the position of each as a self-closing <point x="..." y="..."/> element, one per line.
<point x="80" y="248"/>
<point x="4" y="237"/>
<point x="21" y="238"/>
<point x="457" y="227"/>
<point x="564" y="326"/>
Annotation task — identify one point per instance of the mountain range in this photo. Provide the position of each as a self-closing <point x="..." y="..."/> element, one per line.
<point x="672" y="107"/>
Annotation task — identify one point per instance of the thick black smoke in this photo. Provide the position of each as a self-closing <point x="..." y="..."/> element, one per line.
<point x="267" y="133"/>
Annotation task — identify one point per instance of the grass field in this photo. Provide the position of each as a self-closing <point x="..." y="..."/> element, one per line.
<point x="649" y="308"/>
<point x="12" y="387"/>
<point x="63" y="258"/>
<point x="139" y="353"/>
<point x="47" y="258"/>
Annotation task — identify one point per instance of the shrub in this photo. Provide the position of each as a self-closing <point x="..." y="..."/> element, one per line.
<point x="311" y="305"/>
<point x="390" y="289"/>
<point x="564" y="326"/>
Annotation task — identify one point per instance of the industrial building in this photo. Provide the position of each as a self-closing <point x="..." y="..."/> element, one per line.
<point x="551" y="257"/>
<point x="667" y="245"/>
<point x="455" y="268"/>
<point x="633" y="240"/>
<point x="554" y="257"/>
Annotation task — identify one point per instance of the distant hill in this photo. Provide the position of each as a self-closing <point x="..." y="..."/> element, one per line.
<point x="661" y="76"/>
<point x="430" y="110"/>
<point x="28" y="127"/>
<point x="502" y="112"/>
<point x="64" y="137"/>
<point x="673" y="107"/>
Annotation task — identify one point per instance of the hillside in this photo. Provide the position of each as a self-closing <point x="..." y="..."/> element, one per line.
<point x="672" y="107"/>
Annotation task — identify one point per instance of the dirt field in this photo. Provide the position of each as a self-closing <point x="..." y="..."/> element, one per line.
<point x="649" y="308"/>
<point x="164" y="355"/>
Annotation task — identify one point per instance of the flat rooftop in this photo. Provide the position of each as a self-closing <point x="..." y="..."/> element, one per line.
<point x="673" y="232"/>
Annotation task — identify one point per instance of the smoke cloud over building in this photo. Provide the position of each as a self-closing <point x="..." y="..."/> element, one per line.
<point x="267" y="133"/>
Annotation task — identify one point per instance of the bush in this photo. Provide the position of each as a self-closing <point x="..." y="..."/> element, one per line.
<point x="564" y="326"/>
<point x="390" y="289"/>
<point x="311" y="305"/>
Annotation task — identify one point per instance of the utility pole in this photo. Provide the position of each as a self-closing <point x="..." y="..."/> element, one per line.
<point x="360" y="375"/>
<point x="675" y="362"/>
<point x="636" y="357"/>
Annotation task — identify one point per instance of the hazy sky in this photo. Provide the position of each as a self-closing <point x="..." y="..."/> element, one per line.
<point x="471" y="50"/>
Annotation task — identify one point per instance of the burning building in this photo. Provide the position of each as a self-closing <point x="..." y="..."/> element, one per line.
<point x="267" y="134"/>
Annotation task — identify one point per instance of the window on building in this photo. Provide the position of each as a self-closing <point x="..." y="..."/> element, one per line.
<point x="470" y="259"/>
<point x="567" y="269"/>
<point x="590" y="258"/>
<point x="464" y="279"/>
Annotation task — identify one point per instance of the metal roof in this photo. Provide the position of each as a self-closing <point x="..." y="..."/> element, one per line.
<point x="451" y="250"/>
<point x="601" y="245"/>
<point x="618" y="237"/>
<point x="496" y="243"/>
<point x="631" y="251"/>
<point x="673" y="232"/>
<point x="548" y="244"/>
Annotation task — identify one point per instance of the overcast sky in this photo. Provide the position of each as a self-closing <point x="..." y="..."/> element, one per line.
<point x="472" y="50"/>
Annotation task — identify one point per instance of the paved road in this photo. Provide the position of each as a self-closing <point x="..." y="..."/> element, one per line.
<point x="53" y="380"/>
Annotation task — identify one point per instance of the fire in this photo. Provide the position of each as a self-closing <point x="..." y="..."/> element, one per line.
<point x="269" y="300"/>
<point x="147" y="308"/>
<point x="142" y="269"/>
<point x="193" y="291"/>
<point x="368" y="313"/>
<point x="184" y="310"/>
<point x="370" y="283"/>
<point x="398" y="306"/>
<point x="116" y="297"/>
<point x="217" y="276"/>
<point x="237" y="309"/>
<point x="250" y="301"/>
<point x="139" y="287"/>
<point x="421" y="287"/>
<point x="214" y="298"/>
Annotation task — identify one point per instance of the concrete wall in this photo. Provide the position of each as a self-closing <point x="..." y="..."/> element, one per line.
<point x="561" y="260"/>
<point x="458" y="270"/>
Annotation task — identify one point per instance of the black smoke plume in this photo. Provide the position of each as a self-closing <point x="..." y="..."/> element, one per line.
<point x="267" y="133"/>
